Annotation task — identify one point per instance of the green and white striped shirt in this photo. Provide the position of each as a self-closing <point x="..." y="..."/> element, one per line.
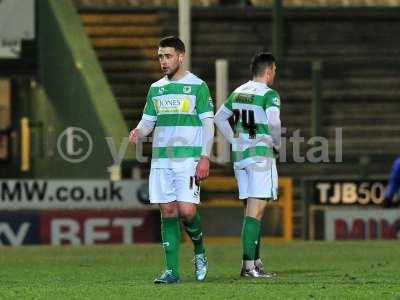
<point x="248" y="105"/>
<point x="177" y="107"/>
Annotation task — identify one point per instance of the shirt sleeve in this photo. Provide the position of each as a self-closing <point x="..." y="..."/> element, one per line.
<point x="272" y="99"/>
<point x="145" y="127"/>
<point x="204" y="103"/>
<point x="149" y="112"/>
<point x="221" y="120"/>
<point x="228" y="102"/>
<point x="274" y="125"/>
<point x="272" y="109"/>
<point x="208" y="136"/>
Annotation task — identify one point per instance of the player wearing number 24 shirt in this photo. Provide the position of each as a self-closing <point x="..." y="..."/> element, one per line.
<point x="250" y="120"/>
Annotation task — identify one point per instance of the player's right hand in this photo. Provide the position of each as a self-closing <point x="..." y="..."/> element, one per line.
<point x="133" y="136"/>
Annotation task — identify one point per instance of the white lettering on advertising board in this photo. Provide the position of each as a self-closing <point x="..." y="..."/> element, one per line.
<point x="94" y="230"/>
<point x="70" y="194"/>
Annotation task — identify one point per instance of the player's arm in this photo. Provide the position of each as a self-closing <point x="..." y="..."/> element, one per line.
<point x="274" y="126"/>
<point x="273" y="116"/>
<point x="205" y="111"/>
<point x="208" y="136"/>
<point x="146" y="124"/>
<point x="144" y="128"/>
<point x="222" y="120"/>
<point x="203" y="166"/>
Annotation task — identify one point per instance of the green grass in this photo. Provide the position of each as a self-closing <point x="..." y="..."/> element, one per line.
<point x="306" y="270"/>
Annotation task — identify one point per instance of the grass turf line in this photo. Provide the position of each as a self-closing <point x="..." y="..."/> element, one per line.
<point x="306" y="270"/>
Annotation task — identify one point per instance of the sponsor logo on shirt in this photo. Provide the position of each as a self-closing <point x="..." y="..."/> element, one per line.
<point x="243" y="98"/>
<point x="172" y="105"/>
<point x="210" y="102"/>
<point x="276" y="101"/>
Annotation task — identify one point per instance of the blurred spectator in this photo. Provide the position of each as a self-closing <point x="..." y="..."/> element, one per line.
<point x="393" y="186"/>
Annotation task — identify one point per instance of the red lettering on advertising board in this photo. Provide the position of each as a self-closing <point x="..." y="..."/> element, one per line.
<point x="373" y="230"/>
<point x="95" y="227"/>
<point x="361" y="229"/>
<point x="342" y="231"/>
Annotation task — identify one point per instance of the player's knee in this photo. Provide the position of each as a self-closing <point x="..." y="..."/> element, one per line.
<point x="169" y="211"/>
<point x="255" y="208"/>
<point x="187" y="212"/>
<point x="255" y="213"/>
<point x="259" y="214"/>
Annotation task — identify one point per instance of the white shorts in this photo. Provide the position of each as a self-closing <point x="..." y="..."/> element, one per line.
<point x="167" y="185"/>
<point x="258" y="180"/>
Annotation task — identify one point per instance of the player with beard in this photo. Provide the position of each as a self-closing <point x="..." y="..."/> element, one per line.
<point x="179" y="109"/>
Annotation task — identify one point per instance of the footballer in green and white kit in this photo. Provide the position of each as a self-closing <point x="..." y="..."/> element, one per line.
<point x="179" y="109"/>
<point x="250" y="120"/>
<point x="252" y="146"/>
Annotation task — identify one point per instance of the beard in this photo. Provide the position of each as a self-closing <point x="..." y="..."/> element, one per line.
<point x="172" y="71"/>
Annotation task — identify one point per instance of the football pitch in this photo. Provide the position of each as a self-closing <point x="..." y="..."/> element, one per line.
<point x="306" y="270"/>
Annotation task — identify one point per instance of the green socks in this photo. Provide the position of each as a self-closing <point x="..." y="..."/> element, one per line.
<point x="250" y="237"/>
<point x="257" y="256"/>
<point x="194" y="230"/>
<point x="171" y="237"/>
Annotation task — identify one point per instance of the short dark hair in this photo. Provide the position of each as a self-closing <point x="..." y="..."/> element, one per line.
<point x="172" y="41"/>
<point x="260" y="61"/>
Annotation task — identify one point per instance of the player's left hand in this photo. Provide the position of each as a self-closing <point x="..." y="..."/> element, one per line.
<point x="203" y="168"/>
